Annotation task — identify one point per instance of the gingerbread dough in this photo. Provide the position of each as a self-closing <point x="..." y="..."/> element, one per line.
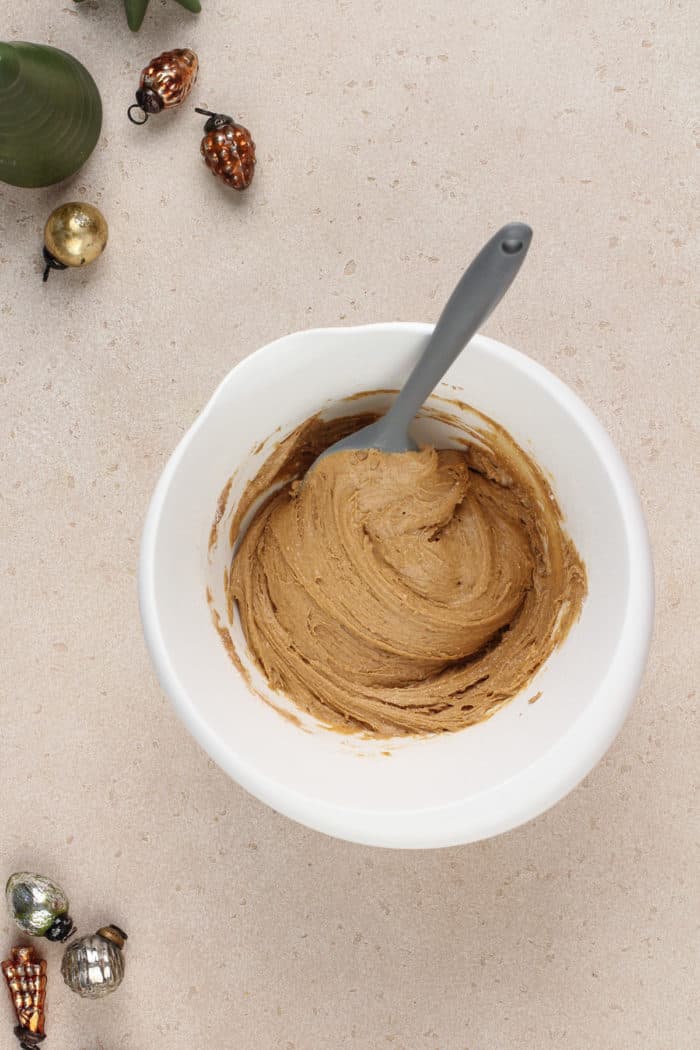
<point x="404" y="593"/>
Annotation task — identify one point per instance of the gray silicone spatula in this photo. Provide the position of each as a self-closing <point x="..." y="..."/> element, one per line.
<point x="478" y="293"/>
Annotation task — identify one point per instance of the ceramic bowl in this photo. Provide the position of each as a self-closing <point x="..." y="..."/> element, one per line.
<point x="444" y="790"/>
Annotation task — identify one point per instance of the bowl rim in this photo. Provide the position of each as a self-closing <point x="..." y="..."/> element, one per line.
<point x="533" y="789"/>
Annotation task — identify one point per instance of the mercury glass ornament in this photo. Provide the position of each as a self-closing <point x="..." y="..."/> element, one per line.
<point x="75" y="235"/>
<point x="94" y="966"/>
<point x="38" y="906"/>
<point x="228" y="150"/>
<point x="25" y="974"/>
<point x="165" y="82"/>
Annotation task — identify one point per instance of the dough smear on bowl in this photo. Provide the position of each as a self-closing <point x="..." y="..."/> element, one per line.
<point x="408" y="593"/>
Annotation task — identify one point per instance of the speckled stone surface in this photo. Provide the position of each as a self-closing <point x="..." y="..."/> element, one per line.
<point x="391" y="139"/>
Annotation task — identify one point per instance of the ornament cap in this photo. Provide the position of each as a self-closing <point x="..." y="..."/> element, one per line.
<point x="28" y="1040"/>
<point x="114" y="934"/>
<point x="216" y="120"/>
<point x="148" y="101"/>
<point x="63" y="926"/>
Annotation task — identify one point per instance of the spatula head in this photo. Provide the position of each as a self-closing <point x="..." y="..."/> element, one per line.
<point x="380" y="435"/>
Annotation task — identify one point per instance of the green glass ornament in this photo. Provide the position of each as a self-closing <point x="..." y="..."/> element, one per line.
<point x="50" y="114"/>
<point x="136" y="10"/>
<point x="38" y="906"/>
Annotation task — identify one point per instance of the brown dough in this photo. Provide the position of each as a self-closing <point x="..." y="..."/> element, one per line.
<point x="409" y="593"/>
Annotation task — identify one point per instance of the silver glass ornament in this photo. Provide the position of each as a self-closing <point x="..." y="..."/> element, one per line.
<point x="38" y="906"/>
<point x="93" y="966"/>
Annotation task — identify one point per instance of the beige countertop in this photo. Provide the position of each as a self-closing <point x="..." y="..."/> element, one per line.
<point x="392" y="138"/>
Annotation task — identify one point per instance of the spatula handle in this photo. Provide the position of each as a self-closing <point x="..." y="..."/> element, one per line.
<point x="478" y="293"/>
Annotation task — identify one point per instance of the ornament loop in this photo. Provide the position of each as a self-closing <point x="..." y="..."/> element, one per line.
<point x="137" y="122"/>
<point x="51" y="264"/>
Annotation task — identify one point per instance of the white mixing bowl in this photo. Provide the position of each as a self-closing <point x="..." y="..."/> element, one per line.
<point x="438" y="791"/>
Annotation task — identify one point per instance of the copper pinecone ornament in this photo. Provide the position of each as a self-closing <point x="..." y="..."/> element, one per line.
<point x="228" y="150"/>
<point x="165" y="82"/>
<point x="25" y="974"/>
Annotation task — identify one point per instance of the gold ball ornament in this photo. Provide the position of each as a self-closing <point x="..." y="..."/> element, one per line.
<point x="75" y="235"/>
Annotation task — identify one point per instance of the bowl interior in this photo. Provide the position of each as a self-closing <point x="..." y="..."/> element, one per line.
<point x="406" y="791"/>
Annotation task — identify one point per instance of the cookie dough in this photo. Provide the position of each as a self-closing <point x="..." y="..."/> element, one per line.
<point x="408" y="593"/>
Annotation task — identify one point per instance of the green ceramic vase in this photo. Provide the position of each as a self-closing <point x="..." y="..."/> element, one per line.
<point x="50" y="114"/>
